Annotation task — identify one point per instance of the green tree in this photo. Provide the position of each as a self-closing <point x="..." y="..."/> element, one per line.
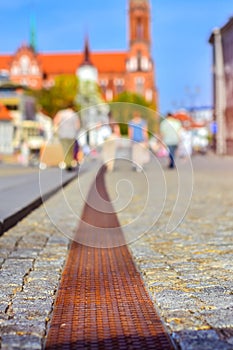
<point x="62" y="93"/>
<point x="125" y="103"/>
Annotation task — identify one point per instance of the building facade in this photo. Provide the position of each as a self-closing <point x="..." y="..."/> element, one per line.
<point x="6" y="131"/>
<point x="222" y="42"/>
<point x="131" y="70"/>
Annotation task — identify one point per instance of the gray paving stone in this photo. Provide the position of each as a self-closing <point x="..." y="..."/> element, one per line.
<point x="180" y="319"/>
<point x="216" y="300"/>
<point x="41" y="284"/>
<point x="37" y="293"/>
<point x="4" y="304"/>
<point x="200" y="340"/>
<point x="175" y="299"/>
<point x="33" y="296"/>
<point x="35" y="274"/>
<point x="24" y="327"/>
<point x="24" y="253"/>
<point x="45" y="264"/>
<point x="16" y="264"/>
<point x="16" y="342"/>
<point x="219" y="318"/>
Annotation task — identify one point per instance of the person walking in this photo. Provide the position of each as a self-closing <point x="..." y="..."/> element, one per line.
<point x="170" y="129"/>
<point x="67" y="124"/>
<point x="185" y="145"/>
<point x="110" y="144"/>
<point x="137" y="132"/>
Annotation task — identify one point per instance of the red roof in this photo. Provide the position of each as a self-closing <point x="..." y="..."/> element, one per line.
<point x="68" y="62"/>
<point x="110" y="61"/>
<point x="59" y="63"/>
<point x="182" y="116"/>
<point x="4" y="61"/>
<point x="4" y="113"/>
<point x="187" y="120"/>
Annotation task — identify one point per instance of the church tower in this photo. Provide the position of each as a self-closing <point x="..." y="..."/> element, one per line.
<point x="139" y="65"/>
<point x="139" y="17"/>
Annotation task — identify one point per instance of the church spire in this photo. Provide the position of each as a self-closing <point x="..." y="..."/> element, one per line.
<point x="86" y="53"/>
<point x="139" y="2"/>
<point x="32" y="41"/>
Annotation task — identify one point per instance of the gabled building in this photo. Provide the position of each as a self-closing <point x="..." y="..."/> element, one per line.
<point x="130" y="70"/>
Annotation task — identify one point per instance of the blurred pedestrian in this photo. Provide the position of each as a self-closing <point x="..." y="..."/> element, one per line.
<point x="185" y="145"/>
<point x="170" y="129"/>
<point x="67" y="125"/>
<point x="110" y="144"/>
<point x="76" y="150"/>
<point x="138" y="134"/>
<point x="24" y="153"/>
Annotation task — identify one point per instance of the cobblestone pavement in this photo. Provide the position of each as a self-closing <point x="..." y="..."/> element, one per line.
<point x="188" y="272"/>
<point x="32" y="255"/>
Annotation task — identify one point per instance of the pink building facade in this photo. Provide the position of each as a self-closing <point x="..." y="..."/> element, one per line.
<point x="222" y="42"/>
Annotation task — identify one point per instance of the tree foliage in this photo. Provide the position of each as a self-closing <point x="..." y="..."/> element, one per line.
<point x="61" y="94"/>
<point x="125" y="103"/>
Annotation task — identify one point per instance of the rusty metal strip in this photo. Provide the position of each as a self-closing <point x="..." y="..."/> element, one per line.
<point x="102" y="302"/>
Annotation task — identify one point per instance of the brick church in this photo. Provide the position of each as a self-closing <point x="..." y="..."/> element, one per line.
<point x="131" y="70"/>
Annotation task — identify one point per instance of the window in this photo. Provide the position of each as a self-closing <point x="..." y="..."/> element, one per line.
<point x="4" y="75"/>
<point x="15" y="70"/>
<point x="149" y="95"/>
<point x="104" y="82"/>
<point x="145" y="64"/>
<point x="119" y="84"/>
<point x="34" y="69"/>
<point x="139" y="85"/>
<point x="109" y="94"/>
<point x="24" y="64"/>
<point x="139" y="30"/>
<point x="103" y="85"/>
<point x="133" y="64"/>
<point x="139" y="60"/>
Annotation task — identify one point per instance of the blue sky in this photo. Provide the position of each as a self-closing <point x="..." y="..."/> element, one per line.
<point x="180" y="30"/>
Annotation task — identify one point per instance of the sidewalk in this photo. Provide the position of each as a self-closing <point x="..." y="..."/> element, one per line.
<point x="188" y="272"/>
<point x="32" y="255"/>
<point x="22" y="189"/>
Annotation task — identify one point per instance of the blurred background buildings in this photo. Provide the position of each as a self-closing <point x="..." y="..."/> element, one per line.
<point x="113" y="72"/>
<point x="131" y="70"/>
<point x="221" y="40"/>
<point x="106" y="74"/>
